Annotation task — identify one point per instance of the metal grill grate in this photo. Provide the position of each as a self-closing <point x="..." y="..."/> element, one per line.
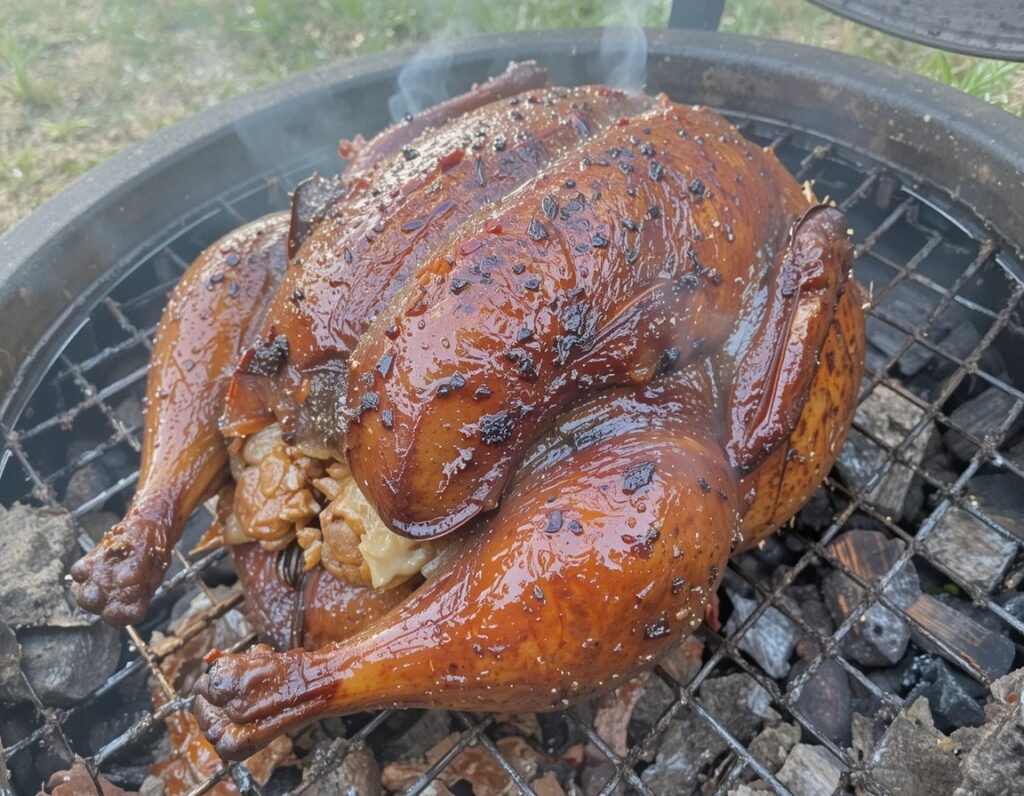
<point x="910" y="241"/>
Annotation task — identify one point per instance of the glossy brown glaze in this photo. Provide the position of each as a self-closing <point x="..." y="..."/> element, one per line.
<point x="666" y="236"/>
<point x="212" y="314"/>
<point x="309" y="609"/>
<point x="605" y="553"/>
<point x="389" y="223"/>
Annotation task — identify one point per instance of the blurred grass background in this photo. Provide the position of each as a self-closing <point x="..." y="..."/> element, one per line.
<point x="81" y="79"/>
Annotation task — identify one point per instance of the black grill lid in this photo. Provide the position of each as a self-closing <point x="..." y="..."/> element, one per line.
<point x="987" y="28"/>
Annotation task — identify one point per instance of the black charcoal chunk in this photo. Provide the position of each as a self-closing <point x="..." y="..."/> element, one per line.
<point x="980" y="416"/>
<point x="825" y="699"/>
<point x="969" y="548"/>
<point x="770" y="640"/>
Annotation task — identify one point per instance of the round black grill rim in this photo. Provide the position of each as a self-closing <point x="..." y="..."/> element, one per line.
<point x="759" y="78"/>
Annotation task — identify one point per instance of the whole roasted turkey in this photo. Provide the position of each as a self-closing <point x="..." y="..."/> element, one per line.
<point x="487" y="414"/>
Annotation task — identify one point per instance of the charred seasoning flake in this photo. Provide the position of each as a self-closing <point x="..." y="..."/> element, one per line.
<point x="387" y="419"/>
<point x="629" y="224"/>
<point x="518" y="268"/>
<point x="384" y="364"/>
<point x="458" y="381"/>
<point x="656" y="170"/>
<point x="497" y="428"/>
<point x="646" y="149"/>
<point x="532" y="283"/>
<point x="677" y="585"/>
<point x="575" y="526"/>
<point x="549" y="206"/>
<point x="697" y="188"/>
<point x="570" y="183"/>
<point x="524" y="334"/>
<point x="410" y="153"/>
<point x="444" y="390"/>
<point x="215" y="279"/>
<point x="658" y="629"/>
<point x="599" y="241"/>
<point x="458" y="285"/>
<point x="482" y="392"/>
<point x="500" y="143"/>
<point x="233" y="259"/>
<point x="370" y="402"/>
<point x="297" y="294"/>
<point x="537" y="231"/>
<point x="554" y="524"/>
<point x="637" y="477"/>
<point x="705" y="487"/>
<point x="654" y="212"/>
<point x="267" y="358"/>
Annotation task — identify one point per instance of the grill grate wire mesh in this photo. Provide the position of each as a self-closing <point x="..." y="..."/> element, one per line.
<point x="904" y="234"/>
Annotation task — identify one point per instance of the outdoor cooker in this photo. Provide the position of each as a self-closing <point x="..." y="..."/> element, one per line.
<point x="933" y="183"/>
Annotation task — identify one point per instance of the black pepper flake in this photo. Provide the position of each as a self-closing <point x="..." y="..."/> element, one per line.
<point x="715" y="276"/>
<point x="646" y="149"/>
<point x="458" y="381"/>
<point x="387" y="419"/>
<point x="697" y="188"/>
<point x="347" y="256"/>
<point x="538" y="593"/>
<point x="370" y="402"/>
<point x="654" y="212"/>
<point x="233" y="259"/>
<point x="637" y="477"/>
<point x="410" y="153"/>
<point x="599" y="241"/>
<point x="518" y="268"/>
<point x="481" y="392"/>
<point x="457" y="285"/>
<point x="669" y="359"/>
<point x="658" y="629"/>
<point x="297" y="294"/>
<point x="267" y="358"/>
<point x="570" y="183"/>
<point x="554" y="521"/>
<point x="527" y="368"/>
<point x="629" y="224"/>
<point x="537" y="231"/>
<point x="689" y="283"/>
<point x="656" y="170"/>
<point x="392" y="330"/>
<point x="632" y="255"/>
<point x="384" y="364"/>
<point x="444" y="390"/>
<point x="516" y="115"/>
<point x="575" y="526"/>
<point x="625" y="167"/>
<point x="497" y="428"/>
<point x="677" y="585"/>
<point x="532" y="283"/>
<point x="215" y="279"/>
<point x="524" y="334"/>
<point x="233" y="289"/>
<point x="549" y="206"/>
<point x="500" y="143"/>
<point x="705" y="487"/>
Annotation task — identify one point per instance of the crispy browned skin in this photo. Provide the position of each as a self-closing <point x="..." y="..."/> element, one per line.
<point x="604" y="553"/>
<point x="212" y="314"/>
<point x="672" y="222"/>
<point x="314" y="610"/>
<point x="391" y="220"/>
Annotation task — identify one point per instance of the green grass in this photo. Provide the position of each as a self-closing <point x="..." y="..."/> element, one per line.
<point x="82" y="79"/>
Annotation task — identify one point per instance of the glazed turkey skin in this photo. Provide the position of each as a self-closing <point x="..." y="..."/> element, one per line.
<point x="540" y="360"/>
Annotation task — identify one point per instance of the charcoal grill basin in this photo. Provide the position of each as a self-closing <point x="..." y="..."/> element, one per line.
<point x="932" y="179"/>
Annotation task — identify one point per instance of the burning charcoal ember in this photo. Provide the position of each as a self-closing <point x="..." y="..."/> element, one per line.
<point x="987" y="653"/>
<point x="884" y="341"/>
<point x="810" y="771"/>
<point x="888" y="417"/>
<point x="356" y="775"/>
<point x="690" y="745"/>
<point x="995" y="764"/>
<point x="12" y="688"/>
<point x="825" y="699"/>
<point x="129" y="411"/>
<point x="970" y="549"/>
<point x="474" y="764"/>
<point x="772" y="745"/>
<point x="879" y="637"/>
<point x="915" y="758"/>
<point x="769" y="641"/>
<point x="52" y="657"/>
<point x="1001" y="497"/>
<point x="430" y="728"/>
<point x="85" y="483"/>
<point x="77" y="780"/>
<point x="953" y="697"/>
<point x="819" y="512"/>
<point x="980" y="416"/>
<point x="38" y="546"/>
